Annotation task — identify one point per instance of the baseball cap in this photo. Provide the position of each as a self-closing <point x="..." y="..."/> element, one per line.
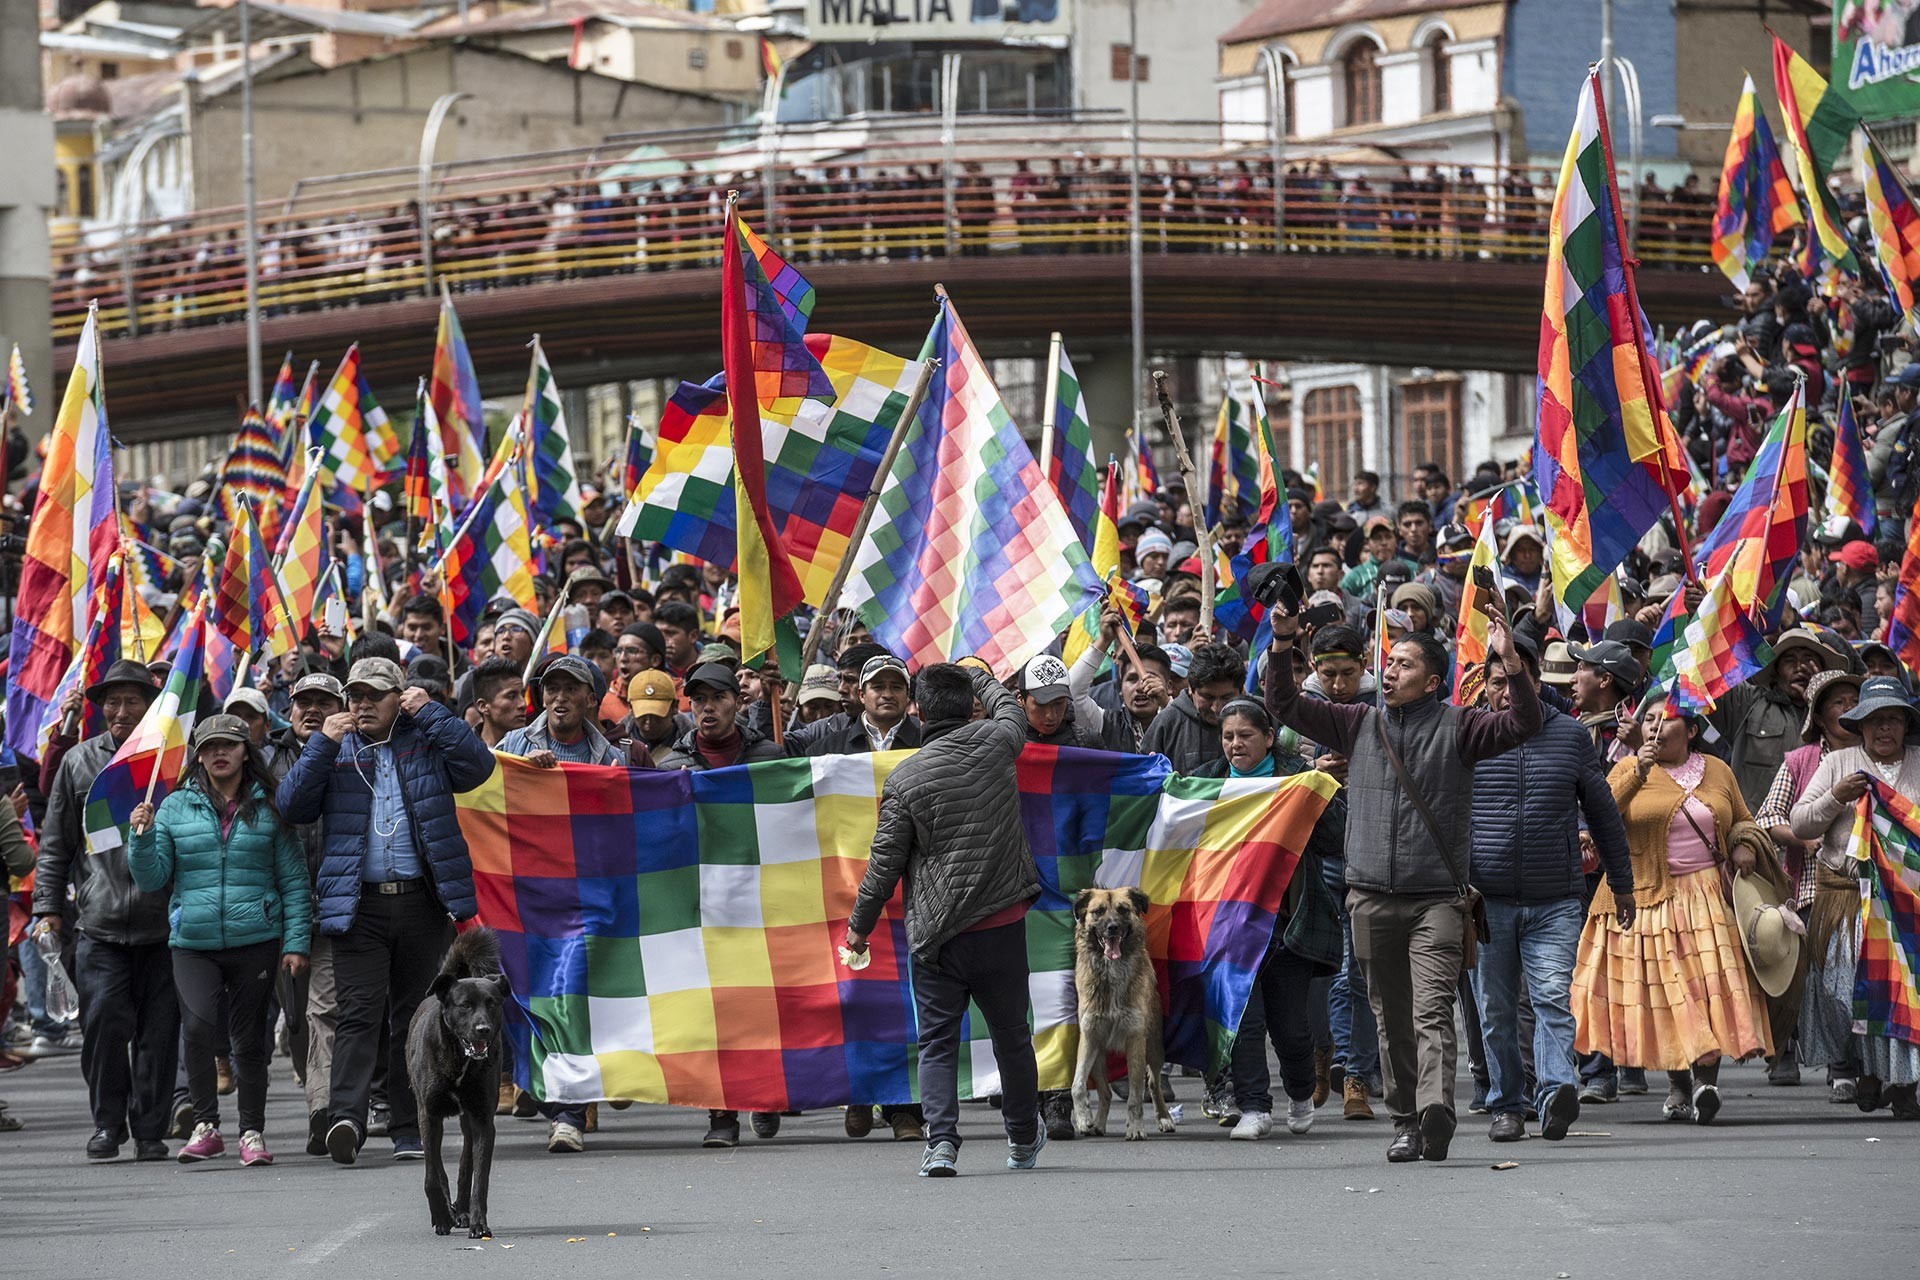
<point x="1044" y="678"/>
<point x="717" y="652"/>
<point x="1612" y="657"/>
<point x="319" y="682"/>
<point x="651" y="693"/>
<point x="1908" y="375"/>
<point x="570" y="665"/>
<point x="821" y="683"/>
<point x="382" y="675"/>
<point x="1629" y="632"/>
<point x="220" y="728"/>
<point x="1857" y="555"/>
<point x="1179" y="658"/>
<point x="252" y="699"/>
<point x="1151" y="541"/>
<point x="1518" y="532"/>
<point x="1376" y="522"/>
<point x="873" y="667"/>
<point x="714" y="676"/>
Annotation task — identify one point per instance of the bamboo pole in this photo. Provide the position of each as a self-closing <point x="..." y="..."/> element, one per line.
<point x="1203" y="540"/>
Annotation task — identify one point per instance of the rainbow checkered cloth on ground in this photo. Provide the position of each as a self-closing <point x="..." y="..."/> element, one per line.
<point x="1603" y="449"/>
<point x="671" y="937"/>
<point x="969" y="550"/>
<point x="1886" y="992"/>
<point x="821" y="460"/>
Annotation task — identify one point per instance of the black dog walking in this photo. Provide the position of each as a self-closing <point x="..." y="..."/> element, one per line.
<point x="453" y="1065"/>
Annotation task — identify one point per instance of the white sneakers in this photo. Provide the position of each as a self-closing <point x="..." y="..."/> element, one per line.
<point x="563" y="1137"/>
<point x="1253" y="1125"/>
<point x="1300" y="1115"/>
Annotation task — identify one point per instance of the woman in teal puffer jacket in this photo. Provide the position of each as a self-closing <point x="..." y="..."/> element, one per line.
<point x="241" y="907"/>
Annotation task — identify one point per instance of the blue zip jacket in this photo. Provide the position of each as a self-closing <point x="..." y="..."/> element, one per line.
<point x="1527" y="806"/>
<point x="438" y="756"/>
<point x="233" y="890"/>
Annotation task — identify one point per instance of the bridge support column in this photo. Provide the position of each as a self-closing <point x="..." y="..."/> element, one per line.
<point x="26" y="197"/>
<point x="1105" y="379"/>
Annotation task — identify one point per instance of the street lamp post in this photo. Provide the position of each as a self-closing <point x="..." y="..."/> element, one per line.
<point x="250" y="190"/>
<point x="1277" y="125"/>
<point x="429" y="136"/>
<point x="1136" y="283"/>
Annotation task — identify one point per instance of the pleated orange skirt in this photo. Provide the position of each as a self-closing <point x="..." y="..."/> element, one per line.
<point x="1673" y="988"/>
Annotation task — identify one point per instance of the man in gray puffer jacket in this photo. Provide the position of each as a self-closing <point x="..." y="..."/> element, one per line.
<point x="950" y="826"/>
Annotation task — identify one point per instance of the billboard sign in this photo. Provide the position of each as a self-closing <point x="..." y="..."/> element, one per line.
<point x="1876" y="56"/>
<point x="984" y="20"/>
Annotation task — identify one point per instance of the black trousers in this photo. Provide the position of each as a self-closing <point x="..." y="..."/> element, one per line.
<point x="244" y="975"/>
<point x="131" y="1021"/>
<point x="384" y="962"/>
<point x="1276" y="1009"/>
<point x="988" y="967"/>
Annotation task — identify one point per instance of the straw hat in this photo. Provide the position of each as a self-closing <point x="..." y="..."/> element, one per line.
<point x="1769" y="931"/>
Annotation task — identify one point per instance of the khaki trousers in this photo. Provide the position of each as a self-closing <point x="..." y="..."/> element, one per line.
<point x="322" y="1007"/>
<point x="1410" y="949"/>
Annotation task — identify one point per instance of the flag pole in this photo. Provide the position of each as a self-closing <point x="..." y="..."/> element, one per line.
<point x="831" y="600"/>
<point x="1047" y="405"/>
<point x="1203" y="540"/>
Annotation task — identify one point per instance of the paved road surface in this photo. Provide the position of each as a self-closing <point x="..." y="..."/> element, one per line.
<point x="1783" y="1185"/>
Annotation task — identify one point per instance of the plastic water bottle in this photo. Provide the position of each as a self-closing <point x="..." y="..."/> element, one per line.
<point x="63" y="1002"/>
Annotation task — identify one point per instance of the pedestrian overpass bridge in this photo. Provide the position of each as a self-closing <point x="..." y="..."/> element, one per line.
<point x="619" y="274"/>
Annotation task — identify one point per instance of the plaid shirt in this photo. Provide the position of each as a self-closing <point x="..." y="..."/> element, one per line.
<point x="1776" y="811"/>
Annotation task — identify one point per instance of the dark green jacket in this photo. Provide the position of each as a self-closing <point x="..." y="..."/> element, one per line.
<point x="234" y="890"/>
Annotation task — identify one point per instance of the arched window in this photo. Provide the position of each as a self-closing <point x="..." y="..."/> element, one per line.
<point x="1362" y="74"/>
<point x="1440" y="71"/>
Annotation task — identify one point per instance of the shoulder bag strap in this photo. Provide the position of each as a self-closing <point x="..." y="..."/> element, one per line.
<point x="1414" y="794"/>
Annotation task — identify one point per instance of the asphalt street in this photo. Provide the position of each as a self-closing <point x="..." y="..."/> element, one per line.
<point x="1783" y="1185"/>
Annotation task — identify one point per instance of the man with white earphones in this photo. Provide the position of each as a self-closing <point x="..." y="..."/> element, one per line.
<point x="394" y="876"/>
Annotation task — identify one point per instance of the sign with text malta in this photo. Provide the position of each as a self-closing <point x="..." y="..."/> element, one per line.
<point x="935" y="19"/>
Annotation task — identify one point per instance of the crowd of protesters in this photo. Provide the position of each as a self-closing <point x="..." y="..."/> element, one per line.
<point x="1077" y="204"/>
<point x="1658" y="890"/>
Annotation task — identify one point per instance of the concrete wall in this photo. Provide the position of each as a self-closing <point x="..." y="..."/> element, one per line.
<point x="653" y="57"/>
<point x="26" y="194"/>
<point x="1718" y="44"/>
<point x="1177" y="38"/>
<point x="369" y="116"/>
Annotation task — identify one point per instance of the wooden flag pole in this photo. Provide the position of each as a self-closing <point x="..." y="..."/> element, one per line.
<point x="1046" y="405"/>
<point x="1203" y="540"/>
<point x="773" y="705"/>
<point x="817" y="633"/>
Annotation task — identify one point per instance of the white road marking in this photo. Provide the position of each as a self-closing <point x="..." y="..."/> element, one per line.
<point x="338" y="1241"/>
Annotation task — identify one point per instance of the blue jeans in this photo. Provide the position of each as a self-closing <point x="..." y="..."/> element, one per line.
<point x="1356" y="1041"/>
<point x="1537" y="942"/>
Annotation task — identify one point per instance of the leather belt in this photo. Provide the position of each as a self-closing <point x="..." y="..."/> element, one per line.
<point x="391" y="887"/>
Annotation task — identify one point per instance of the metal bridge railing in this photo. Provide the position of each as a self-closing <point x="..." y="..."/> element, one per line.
<point x="502" y="224"/>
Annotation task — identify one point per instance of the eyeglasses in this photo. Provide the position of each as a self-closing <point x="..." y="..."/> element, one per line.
<point x="357" y="696"/>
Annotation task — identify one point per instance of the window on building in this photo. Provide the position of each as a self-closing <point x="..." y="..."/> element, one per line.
<point x="697" y="59"/>
<point x="83" y="190"/>
<point x="1362" y="75"/>
<point x="109" y="71"/>
<point x="1330" y="419"/>
<point x="1430" y="425"/>
<point x="1120" y="61"/>
<point x="736" y="50"/>
<point x="1440" y="71"/>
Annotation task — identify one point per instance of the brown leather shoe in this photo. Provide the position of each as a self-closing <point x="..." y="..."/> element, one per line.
<point x="907" y="1127"/>
<point x="503" y="1105"/>
<point x="1356" y="1107"/>
<point x="859" y="1121"/>
<point x="592" y="1123"/>
<point x="1322" y="1086"/>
